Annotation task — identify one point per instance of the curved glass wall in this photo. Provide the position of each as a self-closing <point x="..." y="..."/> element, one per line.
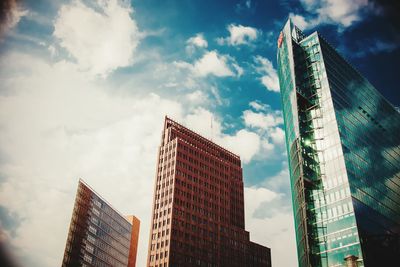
<point x="343" y="155"/>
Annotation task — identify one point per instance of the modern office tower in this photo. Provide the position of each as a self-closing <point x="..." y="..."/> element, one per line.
<point x="98" y="234"/>
<point x="343" y="145"/>
<point x="198" y="209"/>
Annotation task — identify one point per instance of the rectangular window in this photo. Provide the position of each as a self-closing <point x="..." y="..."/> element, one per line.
<point x="97" y="203"/>
<point x="87" y="258"/>
<point x="94" y="220"/>
<point x="96" y="212"/>
<point x="91" y="239"/>
<point x="92" y="229"/>
<point x="89" y="248"/>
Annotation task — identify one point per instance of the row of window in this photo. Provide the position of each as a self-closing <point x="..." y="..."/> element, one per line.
<point x="213" y="211"/>
<point x="207" y="146"/>
<point x="111" y="228"/>
<point x="159" y="245"/>
<point x="158" y="256"/>
<point x="207" y="164"/>
<point x="197" y="184"/>
<point x="210" y="173"/>
<point x="161" y="223"/>
<point x="106" y="242"/>
<point x="119" y="238"/>
<point x="162" y="213"/>
<point x="104" y="252"/>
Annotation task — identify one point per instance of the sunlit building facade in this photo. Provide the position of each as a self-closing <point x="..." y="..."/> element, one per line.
<point x="198" y="208"/>
<point x="98" y="235"/>
<point x="343" y="145"/>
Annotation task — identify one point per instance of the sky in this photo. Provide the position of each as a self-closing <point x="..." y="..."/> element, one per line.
<point x="85" y="86"/>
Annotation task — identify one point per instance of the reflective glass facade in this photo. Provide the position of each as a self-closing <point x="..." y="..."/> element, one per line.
<point x="99" y="235"/>
<point x="343" y="144"/>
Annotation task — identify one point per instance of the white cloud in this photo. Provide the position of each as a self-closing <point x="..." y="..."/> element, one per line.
<point x="339" y="12"/>
<point x="279" y="182"/>
<point x="100" y="40"/>
<point x="11" y="14"/>
<point x="75" y="130"/>
<point x="278" y="136"/>
<point x="276" y="231"/>
<point x="261" y="138"/>
<point x="58" y="124"/>
<point x="239" y="35"/>
<point x="270" y="77"/>
<point x="183" y="65"/>
<point x="200" y="121"/>
<point x="269" y="217"/>
<point x="198" y="40"/>
<point x="212" y="64"/>
<point x="196" y="97"/>
<point x="343" y="12"/>
<point x="270" y="82"/>
<point x="244" y="143"/>
<point x="301" y="22"/>
<point x="267" y="124"/>
<point x="239" y="70"/>
<point x="215" y="92"/>
<point x="255" y="196"/>
<point x="261" y="120"/>
<point x="256" y="105"/>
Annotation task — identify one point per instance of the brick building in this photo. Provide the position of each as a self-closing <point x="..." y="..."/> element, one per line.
<point x="198" y="208"/>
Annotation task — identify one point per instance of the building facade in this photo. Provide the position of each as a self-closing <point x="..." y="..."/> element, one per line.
<point x="98" y="235"/>
<point x="198" y="209"/>
<point x="343" y="145"/>
<point x="134" y="240"/>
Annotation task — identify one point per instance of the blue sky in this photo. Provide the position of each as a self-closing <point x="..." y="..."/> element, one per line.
<point x="85" y="86"/>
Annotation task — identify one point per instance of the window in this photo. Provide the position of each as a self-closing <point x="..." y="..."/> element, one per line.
<point x="96" y="212"/>
<point x="89" y="248"/>
<point x="97" y="203"/>
<point x="91" y="239"/>
<point x="92" y="229"/>
<point x="87" y="258"/>
<point x="94" y="220"/>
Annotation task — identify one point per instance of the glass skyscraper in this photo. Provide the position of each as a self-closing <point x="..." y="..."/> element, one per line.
<point x="99" y="236"/>
<point x="343" y="146"/>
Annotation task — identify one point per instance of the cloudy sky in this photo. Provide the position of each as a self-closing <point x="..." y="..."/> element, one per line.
<point x="85" y="86"/>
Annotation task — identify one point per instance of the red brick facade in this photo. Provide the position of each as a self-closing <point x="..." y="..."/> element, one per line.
<point x="198" y="209"/>
<point x="134" y="240"/>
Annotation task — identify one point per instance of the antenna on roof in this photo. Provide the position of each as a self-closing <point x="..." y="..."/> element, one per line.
<point x="211" y="137"/>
